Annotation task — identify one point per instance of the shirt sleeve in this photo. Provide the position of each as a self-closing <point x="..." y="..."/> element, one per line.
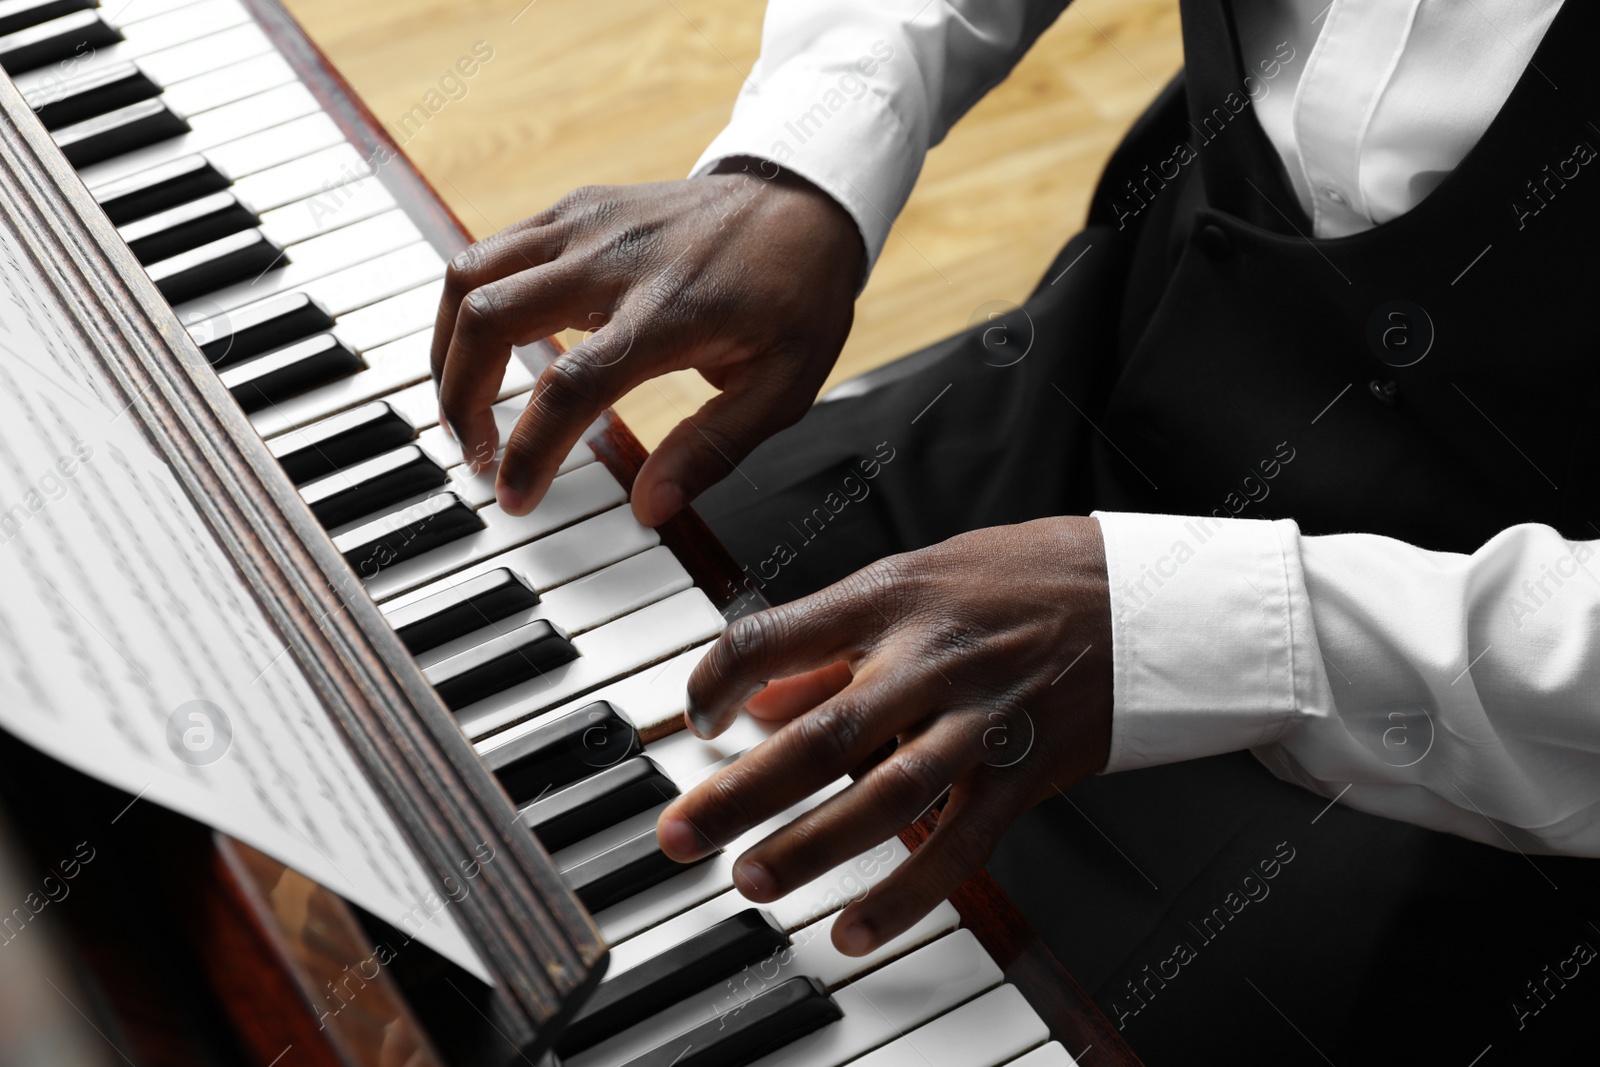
<point x="1458" y="692"/>
<point x="851" y="94"/>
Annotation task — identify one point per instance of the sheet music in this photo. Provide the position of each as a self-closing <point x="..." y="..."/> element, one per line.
<point x="130" y="649"/>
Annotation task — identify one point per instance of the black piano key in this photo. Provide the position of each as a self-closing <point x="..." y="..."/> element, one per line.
<point x="59" y="38"/>
<point x="620" y="872"/>
<point x="92" y="94"/>
<point x="178" y="229"/>
<point x="340" y="440"/>
<point x="20" y="14"/>
<point x="235" y="258"/>
<point x="237" y="335"/>
<point x="346" y="495"/>
<point x="586" y="807"/>
<point x="461" y="609"/>
<point x="658" y="983"/>
<point x="119" y="131"/>
<point x="559" y="752"/>
<point x="265" y="380"/>
<point x="765" y="1023"/>
<point x="499" y="663"/>
<point x="159" y="188"/>
<point x="407" y="533"/>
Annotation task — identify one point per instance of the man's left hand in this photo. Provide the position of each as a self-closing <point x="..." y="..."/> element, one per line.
<point x="988" y="657"/>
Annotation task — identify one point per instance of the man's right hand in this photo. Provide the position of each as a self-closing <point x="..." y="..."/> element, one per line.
<point x="748" y="275"/>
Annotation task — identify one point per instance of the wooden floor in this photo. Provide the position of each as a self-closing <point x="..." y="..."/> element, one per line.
<point x="585" y="92"/>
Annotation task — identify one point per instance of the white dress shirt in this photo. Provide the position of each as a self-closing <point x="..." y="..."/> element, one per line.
<point x="1458" y="692"/>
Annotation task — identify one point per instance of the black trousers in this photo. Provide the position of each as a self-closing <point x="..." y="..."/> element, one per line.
<point x="1216" y="914"/>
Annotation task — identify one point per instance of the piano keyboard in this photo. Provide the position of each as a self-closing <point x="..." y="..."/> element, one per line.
<point x="561" y="640"/>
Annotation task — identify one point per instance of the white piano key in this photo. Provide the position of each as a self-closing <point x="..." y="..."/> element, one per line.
<point x="148" y="39"/>
<point x="216" y="50"/>
<point x="654" y="700"/>
<point x="271" y="147"/>
<point x="693" y="887"/>
<point x="894" y="999"/>
<point x="301" y="177"/>
<point x="235" y="82"/>
<point x="987" y="1032"/>
<point x="241" y="119"/>
<point x="446" y="451"/>
<point x="652" y="942"/>
<point x="351" y="247"/>
<point x="632" y="643"/>
<point x="661" y="902"/>
<point x="478" y="487"/>
<point x="616" y="590"/>
<point x="420" y="403"/>
<point x="475" y="489"/>
<point x="354" y="247"/>
<point x="438" y="443"/>
<point x="810" y="954"/>
<point x="557" y="558"/>
<point x="586" y="491"/>
<point x="1051" y="1055"/>
<point x="213" y="51"/>
<point x="322" y="214"/>
<point x="681" y="755"/>
<point x="578" y="606"/>
<point x="378" y="279"/>
<point x="581" y="851"/>
<point x="120" y="14"/>
<point x="182" y="23"/>
<point x="391" y="319"/>
<point x="389" y="367"/>
<point x="813" y="901"/>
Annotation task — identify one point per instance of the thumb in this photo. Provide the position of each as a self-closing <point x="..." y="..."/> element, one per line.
<point x="710" y="444"/>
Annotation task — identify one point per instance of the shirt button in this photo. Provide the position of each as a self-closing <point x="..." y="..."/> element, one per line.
<point x="1214" y="242"/>
<point x="1333" y="194"/>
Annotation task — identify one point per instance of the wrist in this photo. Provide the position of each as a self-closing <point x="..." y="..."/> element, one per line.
<point x="796" y="198"/>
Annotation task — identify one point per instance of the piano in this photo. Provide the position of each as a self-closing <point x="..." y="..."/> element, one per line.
<point x="303" y="256"/>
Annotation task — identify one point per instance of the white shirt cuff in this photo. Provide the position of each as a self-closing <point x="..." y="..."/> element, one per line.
<point x="1212" y="643"/>
<point x="851" y="146"/>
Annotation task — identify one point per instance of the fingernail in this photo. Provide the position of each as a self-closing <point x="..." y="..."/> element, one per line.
<point x="444" y="424"/>
<point x="509" y="499"/>
<point x="754" y="881"/>
<point x="666" y="500"/>
<point x="679" y="839"/>
<point x="853" y="938"/>
<point x="701" y="722"/>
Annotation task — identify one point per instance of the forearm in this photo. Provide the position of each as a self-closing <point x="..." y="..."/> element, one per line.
<point x="1457" y="692"/>
<point x="852" y="95"/>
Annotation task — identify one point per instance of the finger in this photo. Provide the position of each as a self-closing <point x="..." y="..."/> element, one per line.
<point x="836" y="623"/>
<point x="571" y="393"/>
<point x="709" y="445"/>
<point x="516" y="310"/>
<point x="516" y="248"/>
<point x="887" y="799"/>
<point x="976" y="815"/>
<point x="784" y="698"/>
<point x="813" y="750"/>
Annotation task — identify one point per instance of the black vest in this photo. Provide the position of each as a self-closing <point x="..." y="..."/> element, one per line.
<point x="1434" y="379"/>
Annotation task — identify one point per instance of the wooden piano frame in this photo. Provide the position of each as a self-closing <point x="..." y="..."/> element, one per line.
<point x="203" y="950"/>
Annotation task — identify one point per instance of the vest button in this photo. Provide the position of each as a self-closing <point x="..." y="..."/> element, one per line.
<point x="1386" y="393"/>
<point x="1214" y="242"/>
